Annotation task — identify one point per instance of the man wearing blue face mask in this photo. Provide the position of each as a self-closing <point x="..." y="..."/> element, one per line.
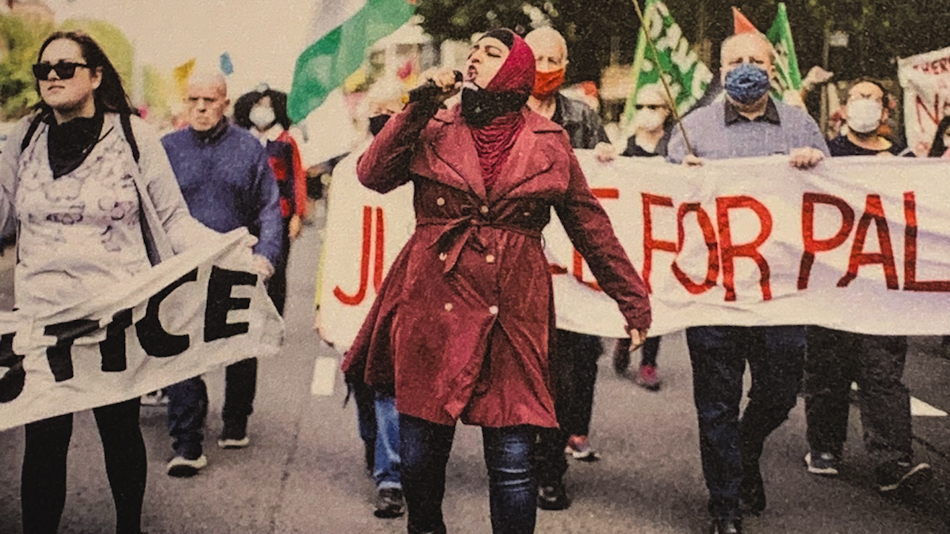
<point x="748" y="123"/>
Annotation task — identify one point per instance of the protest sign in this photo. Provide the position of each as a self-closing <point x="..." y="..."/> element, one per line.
<point x="859" y="244"/>
<point x="925" y="79"/>
<point x="195" y="312"/>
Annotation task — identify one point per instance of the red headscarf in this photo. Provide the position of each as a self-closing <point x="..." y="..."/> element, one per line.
<point x="493" y="141"/>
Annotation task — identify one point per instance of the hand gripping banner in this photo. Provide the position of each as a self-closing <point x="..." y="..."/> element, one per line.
<point x="859" y="244"/>
<point x="195" y="312"/>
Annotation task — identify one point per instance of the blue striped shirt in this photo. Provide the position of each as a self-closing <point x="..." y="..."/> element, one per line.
<point x="713" y="138"/>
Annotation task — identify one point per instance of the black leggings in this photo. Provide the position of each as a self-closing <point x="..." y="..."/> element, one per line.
<point x="43" y="486"/>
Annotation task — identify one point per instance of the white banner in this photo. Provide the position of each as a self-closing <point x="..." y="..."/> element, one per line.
<point x="193" y="313"/>
<point x="859" y="244"/>
<point x="925" y="79"/>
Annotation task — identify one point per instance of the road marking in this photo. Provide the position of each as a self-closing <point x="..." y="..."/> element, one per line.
<point x="324" y="377"/>
<point x="918" y="408"/>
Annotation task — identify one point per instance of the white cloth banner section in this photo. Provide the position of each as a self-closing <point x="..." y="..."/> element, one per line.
<point x="364" y="233"/>
<point x="925" y="79"/>
<point x="859" y="244"/>
<point x="195" y="312"/>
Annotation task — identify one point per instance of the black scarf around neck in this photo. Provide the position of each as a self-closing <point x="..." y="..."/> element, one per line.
<point x="71" y="142"/>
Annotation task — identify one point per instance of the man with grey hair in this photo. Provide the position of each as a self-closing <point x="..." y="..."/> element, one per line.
<point x="227" y="183"/>
<point x="748" y="123"/>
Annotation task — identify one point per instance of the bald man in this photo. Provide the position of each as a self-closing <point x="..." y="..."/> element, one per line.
<point x="227" y="183"/>
<point x="747" y="123"/>
<point x="575" y="363"/>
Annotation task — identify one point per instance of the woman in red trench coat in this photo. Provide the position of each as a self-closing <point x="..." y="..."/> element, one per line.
<point x="463" y="324"/>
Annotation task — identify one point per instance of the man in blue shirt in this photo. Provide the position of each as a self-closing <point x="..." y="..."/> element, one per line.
<point x="748" y="123"/>
<point x="227" y="183"/>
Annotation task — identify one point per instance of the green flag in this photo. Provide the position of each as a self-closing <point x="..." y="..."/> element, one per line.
<point x="788" y="79"/>
<point x="687" y="76"/>
<point x="343" y="31"/>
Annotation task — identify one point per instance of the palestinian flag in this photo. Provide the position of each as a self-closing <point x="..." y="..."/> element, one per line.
<point x="342" y="31"/>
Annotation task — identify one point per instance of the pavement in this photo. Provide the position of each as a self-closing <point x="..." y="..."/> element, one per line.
<point x="303" y="471"/>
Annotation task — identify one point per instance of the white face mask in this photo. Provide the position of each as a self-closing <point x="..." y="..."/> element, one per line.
<point x="262" y="116"/>
<point x="864" y="115"/>
<point x="650" y="119"/>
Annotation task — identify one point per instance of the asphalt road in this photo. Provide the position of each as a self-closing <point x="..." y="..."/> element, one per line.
<point x="303" y="471"/>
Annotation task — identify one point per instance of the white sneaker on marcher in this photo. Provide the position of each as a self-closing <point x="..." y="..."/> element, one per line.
<point x="155" y="398"/>
<point x="182" y="467"/>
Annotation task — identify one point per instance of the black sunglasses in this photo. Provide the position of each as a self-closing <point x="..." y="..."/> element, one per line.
<point x="64" y="70"/>
<point x="652" y="107"/>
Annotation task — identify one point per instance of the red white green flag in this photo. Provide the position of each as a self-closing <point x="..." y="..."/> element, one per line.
<point x="342" y="32"/>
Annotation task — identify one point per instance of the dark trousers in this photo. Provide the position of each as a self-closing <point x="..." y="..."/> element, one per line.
<point x="651" y="347"/>
<point x="836" y="359"/>
<point x="277" y="284"/>
<point x="188" y="406"/>
<point x="512" y="491"/>
<point x="574" y="365"/>
<point x="649" y="351"/>
<point x="43" y="483"/>
<point x="730" y="446"/>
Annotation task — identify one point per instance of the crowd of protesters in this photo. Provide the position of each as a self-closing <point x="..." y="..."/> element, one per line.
<point x="477" y="342"/>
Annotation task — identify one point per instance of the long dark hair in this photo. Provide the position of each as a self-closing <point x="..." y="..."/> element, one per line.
<point x="243" y="105"/>
<point x="938" y="147"/>
<point x="110" y="95"/>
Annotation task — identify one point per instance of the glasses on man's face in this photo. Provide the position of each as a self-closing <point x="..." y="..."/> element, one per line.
<point x="64" y="70"/>
<point x="651" y="107"/>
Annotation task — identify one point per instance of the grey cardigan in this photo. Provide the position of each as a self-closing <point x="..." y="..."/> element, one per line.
<point x="170" y="210"/>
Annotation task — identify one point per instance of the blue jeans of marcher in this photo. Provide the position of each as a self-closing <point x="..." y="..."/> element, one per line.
<point x="512" y="490"/>
<point x="381" y="427"/>
<point x="730" y="447"/>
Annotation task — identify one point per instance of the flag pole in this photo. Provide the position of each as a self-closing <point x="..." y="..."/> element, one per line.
<point x="666" y="85"/>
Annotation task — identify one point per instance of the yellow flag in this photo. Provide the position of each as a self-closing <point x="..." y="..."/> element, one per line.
<point x="181" y="73"/>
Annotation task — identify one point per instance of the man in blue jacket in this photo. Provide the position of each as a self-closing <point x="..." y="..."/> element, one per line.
<point x="227" y="183"/>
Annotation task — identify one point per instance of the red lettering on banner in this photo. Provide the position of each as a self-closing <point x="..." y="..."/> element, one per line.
<point x="611" y="193"/>
<point x="812" y="246"/>
<point x="873" y="212"/>
<point x="749" y="250"/>
<point x="910" y="252"/>
<point x="650" y="244"/>
<point x="709" y="236"/>
<point x="921" y="106"/>
<point x="356" y="299"/>
<point x="380" y="249"/>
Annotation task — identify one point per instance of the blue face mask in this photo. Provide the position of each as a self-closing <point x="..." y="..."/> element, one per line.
<point x="747" y="83"/>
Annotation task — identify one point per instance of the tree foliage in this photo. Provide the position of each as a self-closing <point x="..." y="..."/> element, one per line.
<point x="879" y="30"/>
<point x="20" y="42"/>
<point x="20" y="39"/>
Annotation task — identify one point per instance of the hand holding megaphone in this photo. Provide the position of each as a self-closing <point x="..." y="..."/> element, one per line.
<point x="438" y="86"/>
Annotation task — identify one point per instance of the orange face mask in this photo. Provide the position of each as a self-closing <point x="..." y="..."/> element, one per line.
<point x="547" y="83"/>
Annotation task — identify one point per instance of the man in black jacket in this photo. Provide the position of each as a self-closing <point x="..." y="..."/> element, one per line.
<point x="575" y="361"/>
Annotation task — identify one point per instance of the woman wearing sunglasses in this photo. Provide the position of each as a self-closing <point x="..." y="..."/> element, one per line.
<point x="68" y="177"/>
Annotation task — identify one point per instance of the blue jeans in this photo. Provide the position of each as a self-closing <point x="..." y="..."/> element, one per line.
<point x="512" y="489"/>
<point x="730" y="447"/>
<point x="379" y="428"/>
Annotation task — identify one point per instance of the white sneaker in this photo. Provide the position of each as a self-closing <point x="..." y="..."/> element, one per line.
<point x="182" y="467"/>
<point x="155" y="398"/>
